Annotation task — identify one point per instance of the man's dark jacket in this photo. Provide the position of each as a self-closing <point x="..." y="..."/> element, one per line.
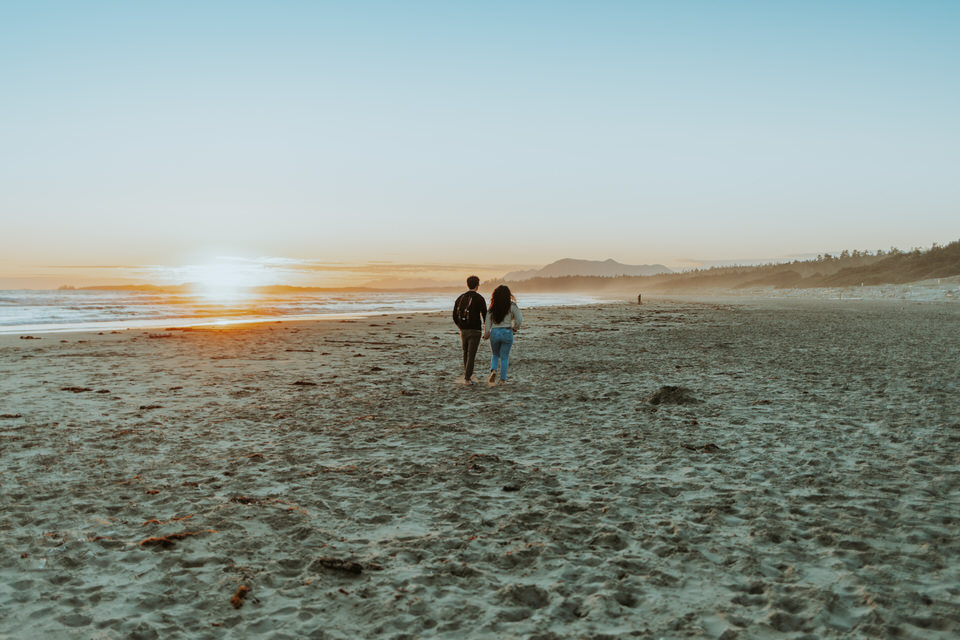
<point x="478" y="311"/>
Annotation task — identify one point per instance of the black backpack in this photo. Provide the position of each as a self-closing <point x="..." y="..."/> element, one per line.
<point x="461" y="312"/>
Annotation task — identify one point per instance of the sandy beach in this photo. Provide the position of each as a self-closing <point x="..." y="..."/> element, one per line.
<point x="332" y="479"/>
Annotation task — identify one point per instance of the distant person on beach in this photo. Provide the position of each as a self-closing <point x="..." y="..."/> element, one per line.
<point x="470" y="314"/>
<point x="504" y="321"/>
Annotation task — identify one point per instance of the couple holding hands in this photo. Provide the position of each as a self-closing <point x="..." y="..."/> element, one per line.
<point x="499" y="323"/>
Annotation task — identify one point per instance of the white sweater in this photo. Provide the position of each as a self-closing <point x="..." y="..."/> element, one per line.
<point x="510" y="321"/>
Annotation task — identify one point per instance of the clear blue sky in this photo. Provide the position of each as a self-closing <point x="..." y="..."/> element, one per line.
<point x="485" y="132"/>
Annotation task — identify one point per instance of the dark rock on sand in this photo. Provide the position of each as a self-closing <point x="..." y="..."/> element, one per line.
<point x="672" y="395"/>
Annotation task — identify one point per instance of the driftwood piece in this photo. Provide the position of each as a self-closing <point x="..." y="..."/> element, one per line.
<point x="167" y="541"/>
<point x="338" y="564"/>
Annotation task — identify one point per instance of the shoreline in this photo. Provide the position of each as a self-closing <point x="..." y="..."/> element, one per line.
<point x="897" y="294"/>
<point x="235" y="318"/>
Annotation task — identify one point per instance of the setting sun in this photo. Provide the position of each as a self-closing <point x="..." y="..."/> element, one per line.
<point x="221" y="282"/>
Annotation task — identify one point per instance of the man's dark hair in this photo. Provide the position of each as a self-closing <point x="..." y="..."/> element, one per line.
<point x="473" y="282"/>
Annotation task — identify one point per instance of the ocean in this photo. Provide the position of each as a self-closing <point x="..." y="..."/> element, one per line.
<point x="44" y="311"/>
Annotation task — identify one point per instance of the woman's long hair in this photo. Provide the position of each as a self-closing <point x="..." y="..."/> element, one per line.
<point x="500" y="303"/>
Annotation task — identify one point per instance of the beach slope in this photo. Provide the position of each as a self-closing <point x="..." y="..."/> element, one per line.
<point x="677" y="469"/>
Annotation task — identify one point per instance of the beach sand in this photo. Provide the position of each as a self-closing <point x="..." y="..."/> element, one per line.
<point x="805" y="485"/>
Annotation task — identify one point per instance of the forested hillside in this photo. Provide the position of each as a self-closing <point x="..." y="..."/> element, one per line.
<point x="847" y="269"/>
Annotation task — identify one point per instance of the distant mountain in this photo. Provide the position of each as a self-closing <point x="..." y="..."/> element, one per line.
<point x="571" y="267"/>
<point x="142" y="288"/>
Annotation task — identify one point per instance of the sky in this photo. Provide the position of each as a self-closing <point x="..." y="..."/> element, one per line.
<point x="164" y="135"/>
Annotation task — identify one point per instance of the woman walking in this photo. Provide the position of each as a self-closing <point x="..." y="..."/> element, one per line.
<point x="503" y="320"/>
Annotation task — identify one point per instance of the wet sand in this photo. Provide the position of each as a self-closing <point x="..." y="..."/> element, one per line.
<point x="332" y="480"/>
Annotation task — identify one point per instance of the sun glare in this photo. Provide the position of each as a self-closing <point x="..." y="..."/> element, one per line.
<point x="221" y="282"/>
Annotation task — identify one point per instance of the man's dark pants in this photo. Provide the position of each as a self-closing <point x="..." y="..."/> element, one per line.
<point x="470" y="339"/>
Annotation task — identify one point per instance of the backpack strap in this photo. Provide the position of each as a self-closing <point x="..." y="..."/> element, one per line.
<point x="463" y="313"/>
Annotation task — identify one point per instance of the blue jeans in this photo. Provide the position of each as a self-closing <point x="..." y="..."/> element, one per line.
<point x="501" y="339"/>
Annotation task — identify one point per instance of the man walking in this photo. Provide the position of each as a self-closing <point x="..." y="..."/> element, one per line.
<point x="469" y="314"/>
